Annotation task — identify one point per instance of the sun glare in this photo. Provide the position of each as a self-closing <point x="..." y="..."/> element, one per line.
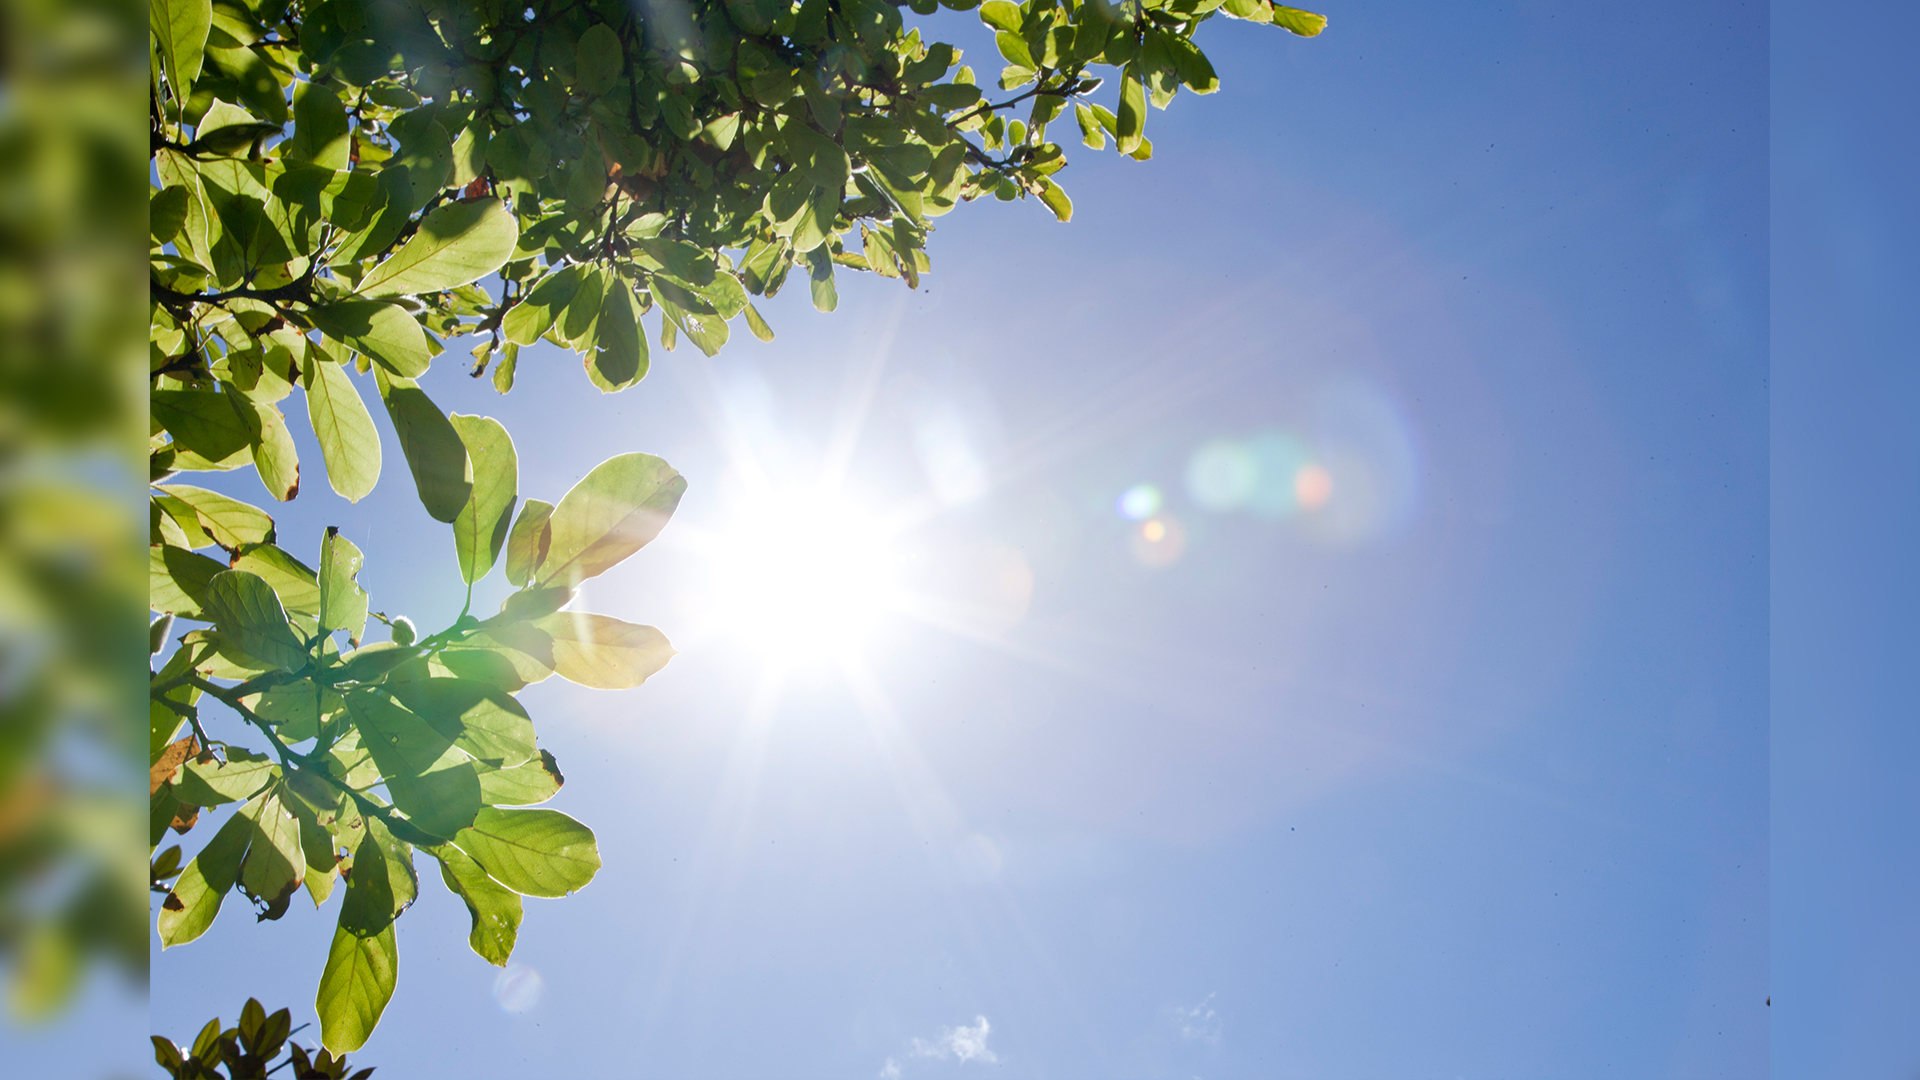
<point x="804" y="573"/>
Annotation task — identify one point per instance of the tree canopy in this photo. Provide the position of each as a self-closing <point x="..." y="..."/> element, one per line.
<point x="343" y="186"/>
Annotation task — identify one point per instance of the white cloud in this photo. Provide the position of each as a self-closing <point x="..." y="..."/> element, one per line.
<point x="964" y="1043"/>
<point x="1197" y="1022"/>
<point x="890" y="1071"/>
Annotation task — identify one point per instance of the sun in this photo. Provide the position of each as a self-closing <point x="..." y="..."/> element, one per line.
<point x="803" y="573"/>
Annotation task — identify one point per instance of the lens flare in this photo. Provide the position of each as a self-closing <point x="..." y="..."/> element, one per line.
<point x="804" y="573"/>
<point x="1139" y="501"/>
<point x="1313" y="486"/>
<point x="1159" y="541"/>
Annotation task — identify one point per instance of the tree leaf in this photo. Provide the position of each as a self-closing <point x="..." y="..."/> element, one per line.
<point x="496" y="911"/>
<point x="434" y="452"/>
<point x="441" y="801"/>
<point x="757" y="324"/>
<point x="181" y="27"/>
<point x="532" y="852"/>
<point x="343" y="603"/>
<point x="274" y="456"/>
<point x="274" y="865"/>
<point x="527" y="543"/>
<point x="457" y="243"/>
<point x="383" y="882"/>
<point x="249" y="614"/>
<point x="401" y="741"/>
<point x="597" y="60"/>
<point x="613" y="511"/>
<point x="603" y="652"/>
<point x="206" y="423"/>
<point x="348" y="441"/>
<point x="1056" y="199"/>
<point x="320" y="130"/>
<point x="618" y="358"/>
<point x="382" y="332"/>
<point x="195" y="900"/>
<point x="355" y="987"/>
<point x="177" y="579"/>
<point x="477" y="718"/>
<point x="229" y="521"/>
<point x="480" y="529"/>
<point x="534" y="314"/>
<point x="1303" y="23"/>
<point x="1131" y="121"/>
<point x="242" y="775"/>
<point x="292" y="580"/>
<point x="1001" y="15"/>
<point x="525" y="784"/>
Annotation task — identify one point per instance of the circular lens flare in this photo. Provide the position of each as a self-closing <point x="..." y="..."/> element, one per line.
<point x="804" y="573"/>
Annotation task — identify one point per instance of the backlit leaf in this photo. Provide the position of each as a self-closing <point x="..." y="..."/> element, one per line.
<point x="496" y="911"/>
<point x="603" y="652"/>
<point x="355" y="986"/>
<point x="480" y="529"/>
<point x="343" y="603"/>
<point x="250" y="615"/>
<point x="348" y="442"/>
<point x="434" y="452"/>
<point x="613" y="511"/>
<point x="457" y="243"/>
<point x="532" y="852"/>
<point x="383" y="332"/>
<point x="527" y="542"/>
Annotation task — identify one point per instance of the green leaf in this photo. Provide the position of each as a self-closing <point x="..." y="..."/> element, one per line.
<point x="209" y="424"/>
<point x="533" y="316"/>
<point x="343" y="603"/>
<point x="441" y="801"/>
<point x="383" y="882"/>
<point x="820" y="279"/>
<point x="1090" y="131"/>
<point x="274" y="455"/>
<point x="292" y="580"/>
<point x="195" y="900"/>
<point x="348" y="441"/>
<point x="181" y="27"/>
<point x="532" y="852"/>
<point x="249" y="614"/>
<point x="274" y="866"/>
<point x="212" y="783"/>
<point x="355" y="987"/>
<point x="229" y="521"/>
<point x="496" y="911"/>
<point x="583" y="309"/>
<point x="1303" y="23"/>
<point x="1131" y="121"/>
<point x="177" y="579"/>
<point x="480" y="529"/>
<point x="369" y="662"/>
<point x="401" y="741"/>
<point x="619" y="358"/>
<point x="457" y="243"/>
<point x="434" y="452"/>
<point x="527" y="543"/>
<point x="1056" y="200"/>
<point x="1001" y="15"/>
<point x="613" y="511"/>
<point x="320" y="130"/>
<point x="382" y="332"/>
<point x="597" y="60"/>
<point x="525" y="784"/>
<point x="757" y="324"/>
<point x="478" y="718"/>
<point x="603" y="652"/>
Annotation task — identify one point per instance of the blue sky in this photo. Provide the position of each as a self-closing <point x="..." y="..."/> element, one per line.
<point x="1449" y="759"/>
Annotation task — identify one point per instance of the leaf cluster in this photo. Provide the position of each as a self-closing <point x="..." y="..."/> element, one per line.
<point x="247" y="1051"/>
<point x="340" y="186"/>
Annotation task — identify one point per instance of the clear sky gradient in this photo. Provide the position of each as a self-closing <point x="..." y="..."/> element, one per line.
<point x="1342" y="646"/>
